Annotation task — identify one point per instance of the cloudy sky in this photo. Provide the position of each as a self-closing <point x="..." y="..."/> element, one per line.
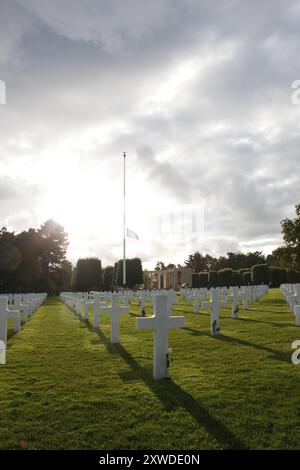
<point x="198" y="93"/>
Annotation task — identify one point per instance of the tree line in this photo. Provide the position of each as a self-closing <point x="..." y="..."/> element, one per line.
<point x="256" y="275"/>
<point x="35" y="261"/>
<point x="281" y="266"/>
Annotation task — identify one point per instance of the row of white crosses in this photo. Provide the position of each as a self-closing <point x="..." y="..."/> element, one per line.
<point x="17" y="307"/>
<point x="291" y="293"/>
<point x="160" y="322"/>
<point x="78" y="301"/>
<point x="219" y="298"/>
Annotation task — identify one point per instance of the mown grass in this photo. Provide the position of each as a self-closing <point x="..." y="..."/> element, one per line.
<point x="65" y="386"/>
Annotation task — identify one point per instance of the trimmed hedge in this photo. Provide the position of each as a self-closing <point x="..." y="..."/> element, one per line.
<point x="283" y="276"/>
<point x="244" y="270"/>
<point x="274" y="276"/>
<point x="212" y="278"/>
<point x="246" y="278"/>
<point x="292" y="276"/>
<point x="259" y="274"/>
<point x="224" y="277"/>
<point x="236" y="279"/>
<point x="195" y="280"/>
<point x="203" y="279"/>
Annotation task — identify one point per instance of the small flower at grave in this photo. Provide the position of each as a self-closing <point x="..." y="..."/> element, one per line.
<point x="101" y="383"/>
<point x="227" y="446"/>
<point x="169" y="357"/>
<point x="24" y="445"/>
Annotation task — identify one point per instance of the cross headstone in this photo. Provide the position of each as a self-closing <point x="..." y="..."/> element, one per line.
<point x="244" y="297"/>
<point x="5" y="314"/>
<point x="24" y="308"/>
<point x="115" y="311"/>
<point x="142" y="302"/>
<point x="214" y="304"/>
<point x="234" y="297"/>
<point x="97" y="307"/>
<point x="196" y="302"/>
<point x="161" y="322"/>
<point x="251" y="294"/>
<point x="297" y="314"/>
<point x="2" y="352"/>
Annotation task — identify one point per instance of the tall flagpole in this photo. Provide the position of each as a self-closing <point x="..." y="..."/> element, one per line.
<point x="124" y="229"/>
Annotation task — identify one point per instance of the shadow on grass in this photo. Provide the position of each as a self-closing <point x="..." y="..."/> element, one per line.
<point x="274" y="311"/>
<point x="170" y="394"/>
<point x="268" y="300"/>
<point x="277" y="355"/>
<point x="277" y="325"/>
<point x="11" y="333"/>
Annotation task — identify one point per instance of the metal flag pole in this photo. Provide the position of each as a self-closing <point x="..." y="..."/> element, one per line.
<point x="124" y="230"/>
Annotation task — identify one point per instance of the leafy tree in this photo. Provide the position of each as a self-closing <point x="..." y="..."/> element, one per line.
<point x="159" y="266"/>
<point x="197" y="262"/>
<point x="53" y="247"/>
<point x="9" y="259"/>
<point x="62" y="278"/>
<point x="171" y="266"/>
<point x="34" y="260"/>
<point x="291" y="237"/>
<point x="281" y="257"/>
<point x="28" y="272"/>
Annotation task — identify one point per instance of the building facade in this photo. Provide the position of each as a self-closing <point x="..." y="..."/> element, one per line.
<point x="171" y="278"/>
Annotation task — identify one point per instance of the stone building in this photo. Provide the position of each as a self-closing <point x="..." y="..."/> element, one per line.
<point x="173" y="278"/>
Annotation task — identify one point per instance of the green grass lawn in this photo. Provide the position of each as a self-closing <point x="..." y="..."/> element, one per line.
<point x="65" y="387"/>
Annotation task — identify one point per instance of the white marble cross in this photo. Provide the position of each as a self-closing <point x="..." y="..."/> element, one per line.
<point x="214" y="304"/>
<point x="24" y="308"/>
<point x="161" y="322"/>
<point x="2" y="352"/>
<point x="244" y="297"/>
<point x="142" y="303"/>
<point x="294" y="299"/>
<point x="251" y="294"/>
<point x="5" y="314"/>
<point x="115" y="311"/>
<point x="98" y="305"/>
<point x="82" y="299"/>
<point x="297" y="314"/>
<point x="234" y="297"/>
<point x="197" y="297"/>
